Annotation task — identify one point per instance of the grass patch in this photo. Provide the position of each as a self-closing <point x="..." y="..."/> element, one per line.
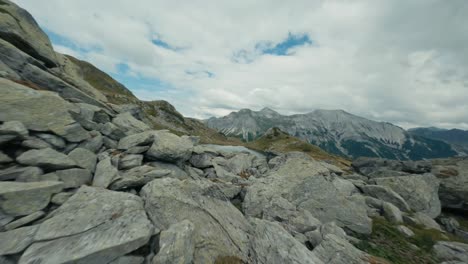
<point x="282" y="142"/>
<point x="388" y="243"/>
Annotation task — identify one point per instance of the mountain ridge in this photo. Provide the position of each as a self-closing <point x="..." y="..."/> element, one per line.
<point x="335" y="131"/>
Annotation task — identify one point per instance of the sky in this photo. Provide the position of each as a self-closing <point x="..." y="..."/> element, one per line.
<point x="400" y="61"/>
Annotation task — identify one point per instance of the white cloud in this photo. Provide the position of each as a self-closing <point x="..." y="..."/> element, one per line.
<point x="400" y="61"/>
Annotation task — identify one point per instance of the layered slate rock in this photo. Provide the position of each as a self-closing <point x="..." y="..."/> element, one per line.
<point x="170" y="147"/>
<point x="19" y="28"/>
<point x="266" y="249"/>
<point x="176" y="244"/>
<point x="453" y="176"/>
<point x="451" y="251"/>
<point x="46" y="158"/>
<point x="24" y="198"/>
<point x="419" y="191"/>
<point x="40" y="110"/>
<point x="93" y="226"/>
<point x="336" y="250"/>
<point x="308" y="185"/>
<point x="220" y="229"/>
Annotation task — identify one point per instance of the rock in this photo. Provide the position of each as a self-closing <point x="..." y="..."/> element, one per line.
<point x="4" y="158"/>
<point x="130" y="161"/>
<point x="220" y="228"/>
<point x="392" y="213"/>
<point x="24" y="220"/>
<point x="61" y="198"/>
<point x="35" y="143"/>
<point x="105" y="173"/>
<point x="19" y="28"/>
<point x="110" y="144"/>
<point x="419" y="191"/>
<point x="93" y="144"/>
<point x="18" y="198"/>
<point x="74" y="178"/>
<point x="129" y="124"/>
<point x="293" y="220"/>
<point x="137" y="177"/>
<point x="129" y="260"/>
<point x="450" y="224"/>
<point x="336" y="250"/>
<point x="137" y="150"/>
<point x="15" y="241"/>
<point x="56" y="141"/>
<point x="386" y="194"/>
<point x="426" y="221"/>
<point x="405" y="231"/>
<point x="451" y="251"/>
<point x="140" y="139"/>
<point x="453" y="191"/>
<point x="176" y="172"/>
<point x="40" y="110"/>
<point x="308" y="185"/>
<point x="112" y="131"/>
<point x="93" y="226"/>
<point x="20" y="173"/>
<point x="75" y="133"/>
<point x="169" y="147"/>
<point x="84" y="158"/>
<point x="274" y="245"/>
<point x="315" y="237"/>
<point x="202" y="161"/>
<point x="15" y="129"/>
<point x="47" y="159"/>
<point x="176" y="244"/>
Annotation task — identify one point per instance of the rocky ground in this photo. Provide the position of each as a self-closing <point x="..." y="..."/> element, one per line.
<point x="87" y="179"/>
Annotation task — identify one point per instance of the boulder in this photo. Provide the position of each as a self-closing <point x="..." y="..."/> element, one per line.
<point x="74" y="178"/>
<point x="130" y="161"/>
<point x="451" y="251"/>
<point x="24" y="198"/>
<point x="61" y="198"/>
<point x="308" y="185"/>
<point x="426" y="221"/>
<point x="405" y="231"/>
<point x="14" y="129"/>
<point x="220" y="229"/>
<point x="137" y="177"/>
<point x="84" y="158"/>
<point x="176" y="244"/>
<point x="20" y="173"/>
<point x="336" y="250"/>
<point x="35" y="143"/>
<point x="128" y="260"/>
<point x="129" y="124"/>
<point x="386" y="194"/>
<point x="4" y="158"/>
<point x="40" y="110"/>
<point x="105" y="173"/>
<point x="15" y="241"/>
<point x="392" y="213"/>
<point x="139" y="139"/>
<point x="112" y="131"/>
<point x="453" y="191"/>
<point x="316" y="237"/>
<point x="18" y="27"/>
<point x="93" y="226"/>
<point x="94" y="143"/>
<point x="24" y="220"/>
<point x="274" y="245"/>
<point x="419" y="191"/>
<point x="46" y="158"/>
<point x="169" y="147"/>
<point x="56" y="141"/>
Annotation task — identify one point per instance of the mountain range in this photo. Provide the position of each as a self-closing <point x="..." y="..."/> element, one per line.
<point x="337" y="132"/>
<point x="457" y="138"/>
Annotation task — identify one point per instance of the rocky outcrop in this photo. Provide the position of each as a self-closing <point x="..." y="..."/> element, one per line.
<point x="308" y="185"/>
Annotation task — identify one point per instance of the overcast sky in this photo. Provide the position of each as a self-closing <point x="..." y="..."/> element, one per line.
<point x="402" y="61"/>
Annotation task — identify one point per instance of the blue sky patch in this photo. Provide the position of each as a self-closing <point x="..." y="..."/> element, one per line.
<point x="59" y="40"/>
<point x="281" y="49"/>
<point x="163" y="44"/>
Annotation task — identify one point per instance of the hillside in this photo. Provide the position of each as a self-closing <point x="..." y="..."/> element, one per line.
<point x="456" y="137"/>
<point x="335" y="131"/>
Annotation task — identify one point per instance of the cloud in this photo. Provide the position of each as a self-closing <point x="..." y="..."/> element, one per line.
<point x="400" y="61"/>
